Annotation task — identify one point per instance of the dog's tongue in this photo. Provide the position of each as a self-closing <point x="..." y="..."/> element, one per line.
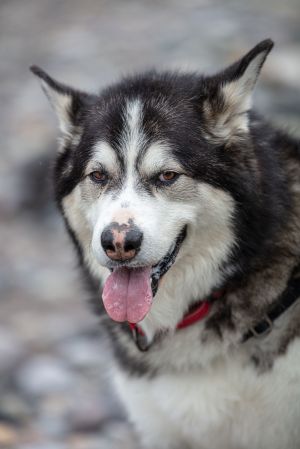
<point x="127" y="294"/>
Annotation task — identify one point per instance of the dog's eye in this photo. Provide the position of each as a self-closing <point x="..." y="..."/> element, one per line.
<point x="168" y="176"/>
<point x="99" y="177"/>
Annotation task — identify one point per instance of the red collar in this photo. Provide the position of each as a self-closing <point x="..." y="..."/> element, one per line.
<point x="197" y="313"/>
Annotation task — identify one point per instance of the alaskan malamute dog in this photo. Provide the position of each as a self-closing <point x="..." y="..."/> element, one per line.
<point x="185" y="206"/>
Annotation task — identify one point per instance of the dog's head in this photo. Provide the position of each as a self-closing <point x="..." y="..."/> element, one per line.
<point x="152" y="174"/>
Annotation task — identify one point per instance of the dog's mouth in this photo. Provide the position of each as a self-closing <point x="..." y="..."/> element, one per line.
<point x="128" y="292"/>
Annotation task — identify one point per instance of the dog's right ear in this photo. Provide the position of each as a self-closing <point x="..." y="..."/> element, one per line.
<point x="66" y="101"/>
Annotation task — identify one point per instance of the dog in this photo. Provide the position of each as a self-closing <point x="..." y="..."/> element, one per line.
<point x="184" y="207"/>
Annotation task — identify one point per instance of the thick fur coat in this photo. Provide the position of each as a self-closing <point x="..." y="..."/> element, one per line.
<point x="209" y="194"/>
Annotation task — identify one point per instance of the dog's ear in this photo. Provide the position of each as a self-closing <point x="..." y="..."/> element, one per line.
<point x="229" y="94"/>
<point x="66" y="101"/>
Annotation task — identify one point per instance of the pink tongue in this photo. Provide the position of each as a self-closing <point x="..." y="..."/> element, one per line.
<point x="127" y="294"/>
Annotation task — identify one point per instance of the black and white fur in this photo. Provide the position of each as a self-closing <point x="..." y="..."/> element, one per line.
<point x="237" y="192"/>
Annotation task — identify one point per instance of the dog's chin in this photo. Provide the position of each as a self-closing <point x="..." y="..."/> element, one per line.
<point x="129" y="291"/>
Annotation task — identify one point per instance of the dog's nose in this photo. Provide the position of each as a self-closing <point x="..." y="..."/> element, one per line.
<point x="121" y="242"/>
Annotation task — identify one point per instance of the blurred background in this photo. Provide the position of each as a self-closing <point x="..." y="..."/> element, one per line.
<point x="55" y="391"/>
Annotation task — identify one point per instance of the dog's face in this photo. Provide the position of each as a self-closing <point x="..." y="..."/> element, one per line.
<point x="149" y="175"/>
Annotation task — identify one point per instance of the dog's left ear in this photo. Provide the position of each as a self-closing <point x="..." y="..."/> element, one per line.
<point x="229" y="94"/>
<point x="66" y="101"/>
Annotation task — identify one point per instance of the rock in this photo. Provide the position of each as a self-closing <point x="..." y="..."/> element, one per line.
<point x="82" y="352"/>
<point x="103" y="441"/>
<point x="51" y="417"/>
<point x="8" y="436"/>
<point x="14" y="407"/>
<point x="44" y="446"/>
<point x="287" y="57"/>
<point x="11" y="350"/>
<point x="89" y="414"/>
<point x="43" y="375"/>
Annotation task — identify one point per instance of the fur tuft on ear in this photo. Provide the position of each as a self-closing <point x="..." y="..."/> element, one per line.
<point x="230" y="94"/>
<point x="65" y="100"/>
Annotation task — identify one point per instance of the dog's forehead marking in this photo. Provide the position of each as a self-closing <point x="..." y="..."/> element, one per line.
<point x="133" y="136"/>
<point x="103" y="154"/>
<point x="158" y="157"/>
<point x="132" y="141"/>
<point x="150" y="158"/>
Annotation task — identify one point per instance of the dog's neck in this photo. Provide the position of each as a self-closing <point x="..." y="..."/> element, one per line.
<point x="179" y="289"/>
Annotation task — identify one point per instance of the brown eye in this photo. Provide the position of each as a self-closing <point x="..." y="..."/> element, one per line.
<point x="168" y="176"/>
<point x="99" y="177"/>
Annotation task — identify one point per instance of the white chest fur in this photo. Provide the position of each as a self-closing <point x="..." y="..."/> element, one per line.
<point x="229" y="406"/>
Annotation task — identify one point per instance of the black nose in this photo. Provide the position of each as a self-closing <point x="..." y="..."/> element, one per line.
<point x="121" y="242"/>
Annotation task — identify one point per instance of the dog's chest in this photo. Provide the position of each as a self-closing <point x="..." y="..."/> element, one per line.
<point x="229" y="406"/>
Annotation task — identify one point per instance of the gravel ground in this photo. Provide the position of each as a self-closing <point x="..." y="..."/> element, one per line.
<point x="55" y="391"/>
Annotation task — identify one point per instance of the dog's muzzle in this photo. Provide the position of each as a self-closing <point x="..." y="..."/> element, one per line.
<point x="129" y="291"/>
